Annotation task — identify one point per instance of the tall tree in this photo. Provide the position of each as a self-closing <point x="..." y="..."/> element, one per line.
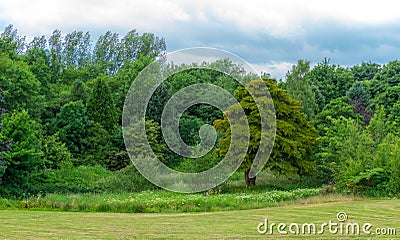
<point x="295" y="136"/>
<point x="20" y="87"/>
<point x="100" y="105"/>
<point x="333" y="81"/>
<point x="78" y="92"/>
<point x="106" y="52"/>
<point x="25" y="159"/>
<point x="299" y="88"/>
<point x="12" y="35"/>
<point x="55" y="45"/>
<point x="365" y="71"/>
<point x="4" y="144"/>
<point x="72" y="124"/>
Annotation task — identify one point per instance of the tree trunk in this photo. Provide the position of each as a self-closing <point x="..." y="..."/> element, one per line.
<point x="249" y="181"/>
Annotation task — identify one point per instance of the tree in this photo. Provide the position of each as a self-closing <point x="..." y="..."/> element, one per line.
<point x="295" y="136"/>
<point x="25" y="160"/>
<point x="72" y="124"/>
<point x="76" y="50"/>
<point x="358" y="92"/>
<point x="346" y="150"/>
<point x="365" y="71"/>
<point x="78" y="92"/>
<point x="106" y="52"/>
<point x="100" y="105"/>
<point x="339" y="107"/>
<point x="4" y="145"/>
<point x="359" y="98"/>
<point x="55" y="45"/>
<point x="55" y="153"/>
<point x="12" y="36"/>
<point x="298" y="88"/>
<point x="20" y="87"/>
<point x="333" y="81"/>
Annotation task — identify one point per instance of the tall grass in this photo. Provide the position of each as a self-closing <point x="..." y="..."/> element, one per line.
<point x="157" y="201"/>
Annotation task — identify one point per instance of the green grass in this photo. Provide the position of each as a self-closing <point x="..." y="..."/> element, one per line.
<point x="240" y="224"/>
<point x="157" y="201"/>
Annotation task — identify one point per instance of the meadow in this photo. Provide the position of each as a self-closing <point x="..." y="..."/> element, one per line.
<point x="237" y="224"/>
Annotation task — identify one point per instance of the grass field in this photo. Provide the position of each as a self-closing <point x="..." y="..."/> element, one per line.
<point x="238" y="224"/>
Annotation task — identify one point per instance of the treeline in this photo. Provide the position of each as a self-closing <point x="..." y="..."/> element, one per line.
<point x="61" y="103"/>
<point x="355" y="111"/>
<point x="62" y="99"/>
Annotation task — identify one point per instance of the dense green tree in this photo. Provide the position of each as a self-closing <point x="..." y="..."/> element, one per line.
<point x="319" y="98"/>
<point x="55" y="153"/>
<point x="295" y="136"/>
<point x="357" y="92"/>
<point x="333" y="81"/>
<point x="78" y="92"/>
<point x="346" y="150"/>
<point x="4" y="144"/>
<point x="339" y="107"/>
<point x="25" y="161"/>
<point x="378" y="127"/>
<point x="359" y="98"/>
<point x="383" y="86"/>
<point x="100" y="105"/>
<point x="298" y="88"/>
<point x="153" y="133"/>
<point x="365" y="71"/>
<point x="72" y="124"/>
<point x="20" y="87"/>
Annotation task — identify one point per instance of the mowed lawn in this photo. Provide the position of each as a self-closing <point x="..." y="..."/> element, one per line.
<point x="241" y="224"/>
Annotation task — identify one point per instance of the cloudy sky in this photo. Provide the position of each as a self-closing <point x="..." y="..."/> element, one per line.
<point x="271" y="34"/>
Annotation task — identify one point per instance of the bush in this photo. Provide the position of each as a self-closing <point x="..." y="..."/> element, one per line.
<point x="127" y="179"/>
<point x="70" y="179"/>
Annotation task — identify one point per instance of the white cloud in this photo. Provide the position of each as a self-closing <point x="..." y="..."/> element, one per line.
<point x="277" y="70"/>
<point x="249" y="25"/>
<point x="280" y="18"/>
<point x="43" y="16"/>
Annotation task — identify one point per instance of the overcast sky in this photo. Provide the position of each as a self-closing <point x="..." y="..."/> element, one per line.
<point x="271" y="34"/>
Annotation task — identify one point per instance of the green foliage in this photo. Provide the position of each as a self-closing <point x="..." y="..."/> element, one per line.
<point x="388" y="158"/>
<point x="333" y="81"/>
<point x="298" y="88"/>
<point x="25" y="161"/>
<point x="78" y="92"/>
<point x="365" y="71"/>
<point x="339" y="107"/>
<point x="100" y="105"/>
<point x="97" y="145"/>
<point x="358" y="92"/>
<point x="19" y="85"/>
<point x="117" y="160"/>
<point x="55" y="153"/>
<point x="127" y="179"/>
<point x="69" y="179"/>
<point x="155" y="201"/>
<point x="153" y="133"/>
<point x="72" y="124"/>
<point x="195" y="165"/>
<point x="295" y="136"/>
<point x="378" y="127"/>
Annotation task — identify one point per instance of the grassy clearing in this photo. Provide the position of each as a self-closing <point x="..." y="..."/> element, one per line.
<point x="241" y="224"/>
<point x="157" y="201"/>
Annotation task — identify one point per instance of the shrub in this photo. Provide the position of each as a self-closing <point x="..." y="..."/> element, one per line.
<point x="127" y="179"/>
<point x="71" y="179"/>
